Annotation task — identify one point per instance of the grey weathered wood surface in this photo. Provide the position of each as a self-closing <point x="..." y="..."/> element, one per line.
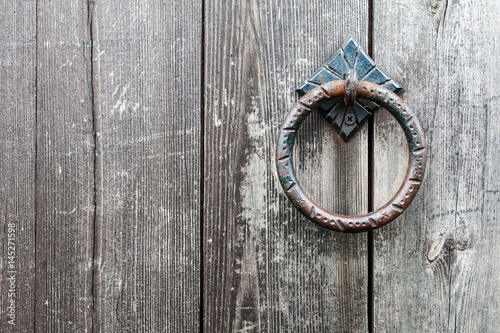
<point x="147" y="86"/>
<point x="64" y="169"/>
<point x="267" y="268"/>
<point x="106" y="98"/>
<point x="17" y="160"/>
<point x="437" y="268"/>
<point x="102" y="107"/>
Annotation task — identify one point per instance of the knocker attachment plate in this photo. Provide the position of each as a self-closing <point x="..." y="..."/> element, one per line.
<point x="350" y="57"/>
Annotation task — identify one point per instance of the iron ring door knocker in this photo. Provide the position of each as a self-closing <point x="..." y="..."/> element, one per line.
<point x="346" y="103"/>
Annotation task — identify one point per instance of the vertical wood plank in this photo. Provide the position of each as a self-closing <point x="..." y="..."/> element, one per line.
<point x="267" y="268"/>
<point x="147" y="98"/>
<point x="491" y="271"/>
<point x="17" y="164"/>
<point x="65" y="168"/>
<point x="436" y="267"/>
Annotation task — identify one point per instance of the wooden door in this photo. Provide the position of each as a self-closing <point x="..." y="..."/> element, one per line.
<point x="138" y="190"/>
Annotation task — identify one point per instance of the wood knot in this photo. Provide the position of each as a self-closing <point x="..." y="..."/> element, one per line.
<point x="435" y="248"/>
<point x="436" y="7"/>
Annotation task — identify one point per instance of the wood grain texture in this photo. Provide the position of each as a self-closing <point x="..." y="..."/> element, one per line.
<point x="147" y="88"/>
<point x="436" y="268"/>
<point x="65" y="168"/>
<point x="267" y="268"/>
<point x="17" y="164"/>
<point x="100" y="115"/>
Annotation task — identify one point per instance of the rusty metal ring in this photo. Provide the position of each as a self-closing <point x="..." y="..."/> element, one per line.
<point x="414" y="175"/>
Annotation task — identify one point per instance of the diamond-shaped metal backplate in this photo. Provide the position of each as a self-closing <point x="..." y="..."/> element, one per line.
<point x="347" y="120"/>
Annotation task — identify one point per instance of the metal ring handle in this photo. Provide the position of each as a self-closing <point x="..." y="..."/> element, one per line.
<point x="414" y="175"/>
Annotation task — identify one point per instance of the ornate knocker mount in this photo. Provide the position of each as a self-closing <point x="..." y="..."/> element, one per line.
<point x="346" y="102"/>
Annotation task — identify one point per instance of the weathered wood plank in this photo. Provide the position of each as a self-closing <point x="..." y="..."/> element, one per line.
<point x="147" y="85"/>
<point x="489" y="232"/>
<point x="65" y="169"/>
<point x="436" y="267"/>
<point x="17" y="164"/>
<point x="267" y="268"/>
